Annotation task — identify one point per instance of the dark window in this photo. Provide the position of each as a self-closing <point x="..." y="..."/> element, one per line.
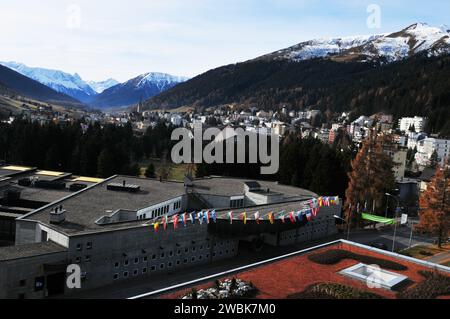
<point x="126" y="262"/>
<point x="116" y="264"/>
<point x="78" y="260"/>
<point x="79" y="247"/>
<point x="87" y="259"/>
<point x="144" y="270"/>
<point x="135" y="272"/>
<point x="144" y="259"/>
<point x="116" y="276"/>
<point x="153" y="268"/>
<point x="154" y="257"/>
<point x="136" y="260"/>
<point x="23" y="283"/>
<point x="125" y="274"/>
<point x="39" y="283"/>
<point x="89" y="245"/>
<point x="161" y="266"/>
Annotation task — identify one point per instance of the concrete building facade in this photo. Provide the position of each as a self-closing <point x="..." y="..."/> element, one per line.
<point x="107" y="229"/>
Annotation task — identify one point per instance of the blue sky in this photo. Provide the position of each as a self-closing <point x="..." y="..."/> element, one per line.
<point x="122" y="39"/>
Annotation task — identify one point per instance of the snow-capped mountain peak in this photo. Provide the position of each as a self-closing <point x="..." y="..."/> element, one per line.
<point x="136" y="90"/>
<point x="70" y="84"/>
<point x="415" y="39"/>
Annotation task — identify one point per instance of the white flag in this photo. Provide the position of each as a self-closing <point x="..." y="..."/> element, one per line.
<point x="404" y="219"/>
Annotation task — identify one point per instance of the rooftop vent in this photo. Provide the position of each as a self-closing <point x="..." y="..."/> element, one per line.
<point x="57" y="215"/>
<point x="124" y="187"/>
<point x="77" y="187"/>
<point x="252" y="186"/>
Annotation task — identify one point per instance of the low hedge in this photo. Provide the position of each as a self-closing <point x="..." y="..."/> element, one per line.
<point x="333" y="291"/>
<point x="334" y="256"/>
<point x="434" y="285"/>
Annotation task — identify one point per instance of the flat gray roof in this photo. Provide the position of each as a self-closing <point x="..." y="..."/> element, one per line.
<point x="29" y="250"/>
<point x="235" y="187"/>
<point x="87" y="206"/>
<point x="84" y="208"/>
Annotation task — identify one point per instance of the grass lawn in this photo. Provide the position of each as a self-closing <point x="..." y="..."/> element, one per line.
<point x="423" y="252"/>
<point x="176" y="172"/>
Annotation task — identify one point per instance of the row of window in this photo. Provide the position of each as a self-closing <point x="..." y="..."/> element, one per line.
<point x="144" y="259"/>
<point x="237" y="203"/>
<point x="161" y="211"/>
<point x="163" y="266"/>
<point x="88" y="246"/>
<point x="87" y="259"/>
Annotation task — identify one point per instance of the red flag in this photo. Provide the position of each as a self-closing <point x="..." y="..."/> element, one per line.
<point x="175" y="221"/>
<point x="292" y="217"/>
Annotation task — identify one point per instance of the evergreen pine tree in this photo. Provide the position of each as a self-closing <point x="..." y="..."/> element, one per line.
<point x="435" y="206"/>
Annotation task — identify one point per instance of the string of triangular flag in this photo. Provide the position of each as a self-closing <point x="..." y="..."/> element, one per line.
<point x="206" y="217"/>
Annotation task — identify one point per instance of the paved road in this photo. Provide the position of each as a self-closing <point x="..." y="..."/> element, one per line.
<point x="386" y="237"/>
<point x="245" y="256"/>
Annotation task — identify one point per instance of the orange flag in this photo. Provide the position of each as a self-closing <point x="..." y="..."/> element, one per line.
<point x="271" y="218"/>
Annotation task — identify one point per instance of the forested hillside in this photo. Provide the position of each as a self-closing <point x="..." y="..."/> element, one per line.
<point x="415" y="86"/>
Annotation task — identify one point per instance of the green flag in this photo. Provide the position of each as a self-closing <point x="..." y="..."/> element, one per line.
<point x="378" y="219"/>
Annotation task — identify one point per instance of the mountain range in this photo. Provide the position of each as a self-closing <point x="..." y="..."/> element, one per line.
<point x="104" y="94"/>
<point x="135" y="90"/>
<point x="404" y="73"/>
<point x="14" y="83"/>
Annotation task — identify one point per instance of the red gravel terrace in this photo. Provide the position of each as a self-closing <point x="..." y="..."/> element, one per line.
<point x="315" y="273"/>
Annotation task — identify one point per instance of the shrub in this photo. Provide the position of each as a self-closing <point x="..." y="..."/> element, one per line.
<point x="333" y="291"/>
<point x="434" y="285"/>
<point x="332" y="257"/>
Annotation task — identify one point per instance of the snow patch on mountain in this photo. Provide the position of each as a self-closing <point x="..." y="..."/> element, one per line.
<point x="101" y="86"/>
<point x="415" y="39"/>
<point x="322" y="48"/>
<point x="161" y="80"/>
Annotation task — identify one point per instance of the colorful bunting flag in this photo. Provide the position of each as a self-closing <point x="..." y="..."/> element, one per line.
<point x="175" y="221"/>
<point x="165" y="221"/>
<point x="200" y="217"/>
<point x="185" y="219"/>
<point x="271" y="218"/>
<point x="156" y="226"/>
<point x="244" y="218"/>
<point x="193" y="218"/>
<point x="282" y="217"/>
<point x="214" y="216"/>
<point x="257" y="217"/>
<point x="292" y="217"/>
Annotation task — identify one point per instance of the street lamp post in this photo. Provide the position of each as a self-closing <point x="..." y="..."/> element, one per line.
<point x="395" y="220"/>
<point x="348" y="225"/>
